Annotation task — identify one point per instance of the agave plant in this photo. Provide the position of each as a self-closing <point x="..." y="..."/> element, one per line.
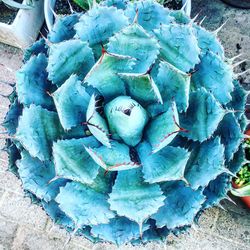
<point x="127" y="122"/>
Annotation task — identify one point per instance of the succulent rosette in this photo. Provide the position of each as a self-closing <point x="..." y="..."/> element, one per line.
<point x="127" y="122"/>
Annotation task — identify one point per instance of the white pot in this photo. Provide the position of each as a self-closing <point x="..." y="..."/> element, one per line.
<point x="50" y="4"/>
<point x="25" y="27"/>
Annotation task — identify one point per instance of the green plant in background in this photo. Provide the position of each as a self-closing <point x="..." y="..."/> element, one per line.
<point x="123" y="124"/>
<point x="243" y="177"/>
<point x="85" y="5"/>
<point x="14" y="4"/>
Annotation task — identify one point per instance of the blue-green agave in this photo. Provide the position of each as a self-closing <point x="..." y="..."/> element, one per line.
<point x="127" y="122"/>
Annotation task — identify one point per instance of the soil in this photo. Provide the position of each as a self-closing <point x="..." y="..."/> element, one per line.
<point x="62" y="7"/>
<point x="173" y="4"/>
<point x="8" y="14"/>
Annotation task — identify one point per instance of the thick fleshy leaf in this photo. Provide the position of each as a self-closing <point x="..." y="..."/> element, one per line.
<point x="180" y="206"/>
<point x="36" y="48"/>
<point x="76" y="132"/>
<point x="32" y="78"/>
<point x="103" y="76"/>
<point x="215" y="75"/>
<point x="71" y="100"/>
<point x="133" y="198"/>
<point x="135" y="42"/>
<point x="239" y="98"/>
<point x="57" y="215"/>
<point x="180" y="16"/>
<point x="205" y="163"/>
<point x="99" y="24"/>
<point x="63" y="28"/>
<point x="152" y="234"/>
<point x="67" y="58"/>
<point x="179" y="46"/>
<point x="151" y="15"/>
<point x="35" y="176"/>
<point x="73" y="162"/>
<point x="208" y="41"/>
<point x="163" y="128"/>
<point x="167" y="164"/>
<point x="173" y="85"/>
<point x="231" y="136"/>
<point x="115" y="158"/>
<point x="142" y="88"/>
<point x="238" y="160"/>
<point x="84" y="205"/>
<point x="217" y="190"/>
<point x="119" y="230"/>
<point x="119" y="4"/>
<point x="10" y="122"/>
<point x="37" y="129"/>
<point x="13" y="156"/>
<point x="202" y="117"/>
<point x="97" y="124"/>
<point x="103" y="182"/>
<point x="126" y="119"/>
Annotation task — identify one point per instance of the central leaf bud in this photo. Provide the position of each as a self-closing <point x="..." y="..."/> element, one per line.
<point x="127" y="119"/>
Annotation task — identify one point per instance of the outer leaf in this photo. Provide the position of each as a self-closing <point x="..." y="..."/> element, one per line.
<point x="57" y="215"/>
<point x="67" y="58"/>
<point x="202" y="116"/>
<point x="150" y="14"/>
<point x="135" y="42"/>
<point x="127" y="119"/>
<point x="36" y="48"/>
<point x="238" y="160"/>
<point x="13" y="156"/>
<point x="208" y="41"/>
<point x="180" y="206"/>
<point x="103" y="75"/>
<point x="162" y="129"/>
<point x="205" y="163"/>
<point x="179" y="46"/>
<point x="217" y="190"/>
<point x="152" y="234"/>
<point x="215" y="75"/>
<point x="120" y="231"/>
<point x="37" y="129"/>
<point x="173" y="84"/>
<point x="113" y="159"/>
<point x="10" y="122"/>
<point x="166" y="165"/>
<point x="231" y="136"/>
<point x="142" y="88"/>
<point x="71" y="100"/>
<point x="133" y="198"/>
<point x="63" y="28"/>
<point x="239" y="99"/>
<point x="100" y="23"/>
<point x="97" y="124"/>
<point x="32" y="78"/>
<point x="35" y="176"/>
<point x="73" y="162"/>
<point x="119" y="4"/>
<point x="84" y="205"/>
